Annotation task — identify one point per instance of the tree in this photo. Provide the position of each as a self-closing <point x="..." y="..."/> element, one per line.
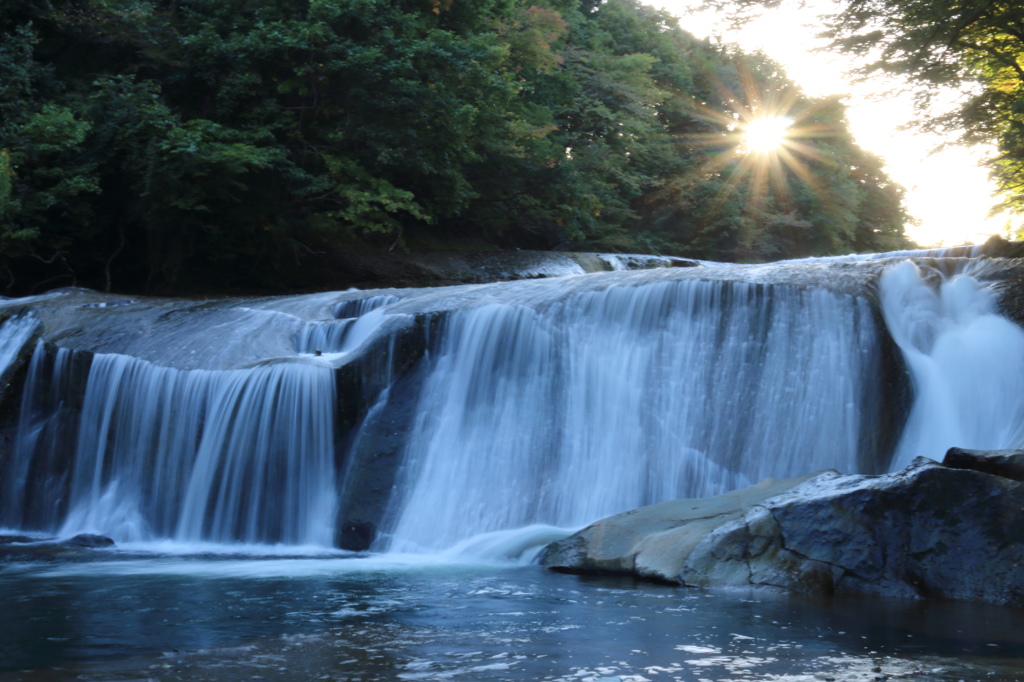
<point x="195" y="145"/>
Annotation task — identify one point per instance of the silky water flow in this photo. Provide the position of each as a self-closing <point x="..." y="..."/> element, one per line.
<point x="549" y="409"/>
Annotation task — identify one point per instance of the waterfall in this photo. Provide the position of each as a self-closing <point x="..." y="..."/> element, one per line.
<point x="344" y="331"/>
<point x="966" y="362"/>
<point x="612" y="399"/>
<point x="34" y="476"/>
<point x="223" y="456"/>
<point x="430" y="419"/>
<point x="14" y="334"/>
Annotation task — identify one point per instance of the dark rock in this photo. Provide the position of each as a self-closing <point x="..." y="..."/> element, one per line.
<point x="1005" y="463"/>
<point x="373" y="458"/>
<point x="357" y="537"/>
<point x="24" y="546"/>
<point x="926" y="531"/>
<point x="16" y="539"/>
<point x="1000" y="247"/>
<point x="89" y="540"/>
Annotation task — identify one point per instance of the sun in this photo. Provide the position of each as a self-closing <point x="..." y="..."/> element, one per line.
<point x="766" y="134"/>
<point x="764" y="141"/>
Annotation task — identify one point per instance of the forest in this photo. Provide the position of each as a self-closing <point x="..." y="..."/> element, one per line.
<point x="177" y="146"/>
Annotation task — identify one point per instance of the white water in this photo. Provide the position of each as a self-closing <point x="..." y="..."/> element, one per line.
<point x="951" y="252"/>
<point x="224" y="456"/>
<point x="34" y="476"/>
<point x="614" y="399"/>
<point x="352" y="324"/>
<point x="966" y="362"/>
<point x="14" y="334"/>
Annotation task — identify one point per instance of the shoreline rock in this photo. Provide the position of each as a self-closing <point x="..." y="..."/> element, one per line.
<point x="928" y="531"/>
<point x="24" y="545"/>
<point x="652" y="542"/>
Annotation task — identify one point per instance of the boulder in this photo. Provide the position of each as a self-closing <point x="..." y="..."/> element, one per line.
<point x="26" y="546"/>
<point x="653" y="542"/>
<point x="1005" y="463"/>
<point x="1000" y="247"/>
<point x="927" y="531"/>
<point x="89" y="540"/>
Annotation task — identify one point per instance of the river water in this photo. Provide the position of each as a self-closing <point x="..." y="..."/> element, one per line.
<point x="117" y="615"/>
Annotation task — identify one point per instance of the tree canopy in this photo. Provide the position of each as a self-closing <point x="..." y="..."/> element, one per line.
<point x="168" y="145"/>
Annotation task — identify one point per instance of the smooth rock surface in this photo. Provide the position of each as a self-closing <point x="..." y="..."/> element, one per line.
<point x="27" y="546"/>
<point x="1005" y="463"/>
<point x="90" y="540"/>
<point x="926" y="531"/>
<point x="653" y="542"/>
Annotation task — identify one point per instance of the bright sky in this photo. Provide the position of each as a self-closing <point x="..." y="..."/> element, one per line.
<point x="948" y="192"/>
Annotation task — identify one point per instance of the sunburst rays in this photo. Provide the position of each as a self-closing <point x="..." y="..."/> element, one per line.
<point x="764" y="138"/>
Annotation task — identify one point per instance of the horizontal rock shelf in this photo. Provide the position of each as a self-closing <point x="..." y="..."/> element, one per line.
<point x="930" y="530"/>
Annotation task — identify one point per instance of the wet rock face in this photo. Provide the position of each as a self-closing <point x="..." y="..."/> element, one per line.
<point x="447" y="268"/>
<point x="90" y="540"/>
<point x="1005" y="463"/>
<point x="23" y="546"/>
<point x="927" y="531"/>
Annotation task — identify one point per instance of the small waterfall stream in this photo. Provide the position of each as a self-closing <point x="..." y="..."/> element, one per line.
<point x="14" y="334"/>
<point x="965" y="359"/>
<point x="219" y="456"/>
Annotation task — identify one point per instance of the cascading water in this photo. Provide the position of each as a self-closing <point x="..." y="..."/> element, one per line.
<point x="14" y="334"/>
<point x="334" y="336"/>
<point x="497" y="406"/>
<point x="613" y="399"/>
<point x="551" y="401"/>
<point x="966" y="362"/>
<point x="224" y="456"/>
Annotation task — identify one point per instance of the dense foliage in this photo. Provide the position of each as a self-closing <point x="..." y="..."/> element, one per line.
<point x="168" y="144"/>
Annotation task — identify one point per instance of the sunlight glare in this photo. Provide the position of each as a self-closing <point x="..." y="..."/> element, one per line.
<point x="947" y="213"/>
<point x="766" y="133"/>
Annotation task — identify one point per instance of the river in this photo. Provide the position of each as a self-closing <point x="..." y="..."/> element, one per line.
<point x="119" y="615"/>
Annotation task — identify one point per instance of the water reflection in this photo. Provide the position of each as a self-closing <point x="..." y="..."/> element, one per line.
<point x="365" y="619"/>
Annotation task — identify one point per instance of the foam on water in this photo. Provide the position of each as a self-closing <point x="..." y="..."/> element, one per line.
<point x="517" y="545"/>
<point x="252" y="562"/>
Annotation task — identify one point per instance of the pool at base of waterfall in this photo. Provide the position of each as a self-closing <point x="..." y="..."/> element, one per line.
<point x="118" y="615"/>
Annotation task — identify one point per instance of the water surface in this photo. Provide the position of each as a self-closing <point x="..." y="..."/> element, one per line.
<point x="121" y="616"/>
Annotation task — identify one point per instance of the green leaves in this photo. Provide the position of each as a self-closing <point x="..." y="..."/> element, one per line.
<point x="368" y="204"/>
<point x="142" y="141"/>
<point x="54" y="129"/>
